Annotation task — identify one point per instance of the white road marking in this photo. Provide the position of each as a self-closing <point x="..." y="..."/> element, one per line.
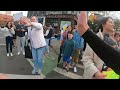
<point x="2" y="44"/>
<point x="15" y="76"/>
<point x="68" y="74"/>
<point x="80" y="66"/>
<point x="42" y="75"/>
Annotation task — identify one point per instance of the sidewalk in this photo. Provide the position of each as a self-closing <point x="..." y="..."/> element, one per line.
<point x="16" y="64"/>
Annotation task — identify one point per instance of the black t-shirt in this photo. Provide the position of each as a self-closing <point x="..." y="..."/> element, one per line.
<point x="20" y="33"/>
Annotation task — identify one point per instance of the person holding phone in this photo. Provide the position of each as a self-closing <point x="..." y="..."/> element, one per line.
<point x="20" y="33"/>
<point x="106" y="53"/>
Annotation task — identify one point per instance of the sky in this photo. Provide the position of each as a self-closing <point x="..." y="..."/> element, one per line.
<point x="114" y="14"/>
<point x="24" y="12"/>
<point x="13" y="12"/>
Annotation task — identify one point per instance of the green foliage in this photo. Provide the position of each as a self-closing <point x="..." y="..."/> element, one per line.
<point x="94" y="25"/>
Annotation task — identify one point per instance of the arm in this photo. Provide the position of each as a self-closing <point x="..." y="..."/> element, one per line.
<point x="17" y="28"/>
<point x="2" y="29"/>
<point x="46" y="33"/>
<point x="12" y="31"/>
<point x="107" y="53"/>
<point x="89" y="67"/>
<point x="38" y="26"/>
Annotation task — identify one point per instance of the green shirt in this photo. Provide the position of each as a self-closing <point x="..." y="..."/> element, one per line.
<point x="68" y="48"/>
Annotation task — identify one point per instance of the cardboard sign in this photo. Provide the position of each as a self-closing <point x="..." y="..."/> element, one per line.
<point x="17" y="16"/>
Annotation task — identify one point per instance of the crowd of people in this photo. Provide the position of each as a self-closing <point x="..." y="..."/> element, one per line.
<point x="73" y="42"/>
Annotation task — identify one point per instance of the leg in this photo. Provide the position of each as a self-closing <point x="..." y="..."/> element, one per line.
<point x="68" y="64"/>
<point x="76" y="57"/>
<point x="7" y="44"/>
<point x="64" y="62"/>
<point x="11" y="43"/>
<point x="23" y="43"/>
<point x="40" y="53"/>
<point x="47" y="47"/>
<point x="59" y="57"/>
<point x="35" y="60"/>
<point x="18" y="44"/>
<point x="49" y="41"/>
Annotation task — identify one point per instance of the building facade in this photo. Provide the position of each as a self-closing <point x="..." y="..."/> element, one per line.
<point x="56" y="18"/>
<point x="44" y="13"/>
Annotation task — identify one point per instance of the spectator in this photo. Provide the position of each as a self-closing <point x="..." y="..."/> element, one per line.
<point x="8" y="32"/>
<point x="68" y="50"/>
<point x="107" y="53"/>
<point x="36" y="36"/>
<point x="20" y="33"/>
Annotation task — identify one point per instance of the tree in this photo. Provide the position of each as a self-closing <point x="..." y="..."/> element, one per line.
<point x="117" y="24"/>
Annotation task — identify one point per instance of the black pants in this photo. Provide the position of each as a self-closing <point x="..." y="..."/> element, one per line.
<point x="8" y="43"/>
<point x="59" y="57"/>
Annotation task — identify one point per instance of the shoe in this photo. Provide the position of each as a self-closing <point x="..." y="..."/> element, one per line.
<point x="75" y="69"/>
<point x="11" y="54"/>
<point x="34" y="71"/>
<point x="18" y="53"/>
<point x="67" y="70"/>
<point x="7" y="54"/>
<point x="39" y="72"/>
<point x="23" y="53"/>
<point x="70" y="66"/>
<point x="63" y="68"/>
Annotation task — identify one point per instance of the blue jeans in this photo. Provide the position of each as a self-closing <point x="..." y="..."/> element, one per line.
<point x="8" y="44"/>
<point x="38" y="58"/>
<point x="47" y="46"/>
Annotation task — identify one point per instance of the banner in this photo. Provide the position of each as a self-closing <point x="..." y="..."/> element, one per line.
<point x="64" y="24"/>
<point x="17" y="16"/>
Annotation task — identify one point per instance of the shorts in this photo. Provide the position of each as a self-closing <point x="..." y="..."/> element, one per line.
<point x="66" y="59"/>
<point x="75" y="56"/>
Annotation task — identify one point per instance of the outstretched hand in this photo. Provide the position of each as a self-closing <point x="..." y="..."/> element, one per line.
<point x="82" y="25"/>
<point x="27" y="21"/>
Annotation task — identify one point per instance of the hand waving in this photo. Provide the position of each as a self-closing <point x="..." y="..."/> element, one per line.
<point x="82" y="25"/>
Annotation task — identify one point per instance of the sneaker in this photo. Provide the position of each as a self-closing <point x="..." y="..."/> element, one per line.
<point x="39" y="72"/>
<point x="34" y="71"/>
<point x="7" y="54"/>
<point x="63" y="69"/>
<point x="18" y="53"/>
<point x="75" y="69"/>
<point x="67" y="70"/>
<point x="11" y="54"/>
<point x="23" y="53"/>
<point x="70" y="66"/>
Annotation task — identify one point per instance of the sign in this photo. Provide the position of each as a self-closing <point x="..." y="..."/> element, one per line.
<point x="17" y="16"/>
<point x="64" y="24"/>
<point x="41" y="20"/>
<point x="59" y="16"/>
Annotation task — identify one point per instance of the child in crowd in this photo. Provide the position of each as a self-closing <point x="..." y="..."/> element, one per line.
<point x="68" y="50"/>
